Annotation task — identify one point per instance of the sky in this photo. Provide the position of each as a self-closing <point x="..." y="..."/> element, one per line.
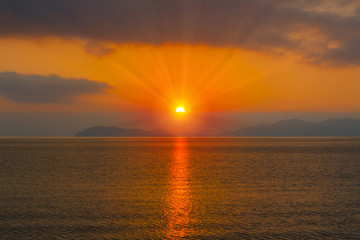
<point x="68" y="65"/>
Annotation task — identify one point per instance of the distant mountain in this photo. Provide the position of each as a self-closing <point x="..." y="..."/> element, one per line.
<point x="296" y="128"/>
<point x="103" y="131"/>
<point x="335" y="127"/>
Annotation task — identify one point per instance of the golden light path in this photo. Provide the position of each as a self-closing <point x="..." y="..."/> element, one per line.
<point x="179" y="204"/>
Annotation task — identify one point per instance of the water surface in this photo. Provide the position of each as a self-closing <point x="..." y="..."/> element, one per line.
<point x="173" y="188"/>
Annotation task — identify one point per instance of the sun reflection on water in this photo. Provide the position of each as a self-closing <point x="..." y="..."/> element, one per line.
<point x="178" y="200"/>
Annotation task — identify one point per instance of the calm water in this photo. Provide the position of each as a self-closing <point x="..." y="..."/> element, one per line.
<point x="173" y="188"/>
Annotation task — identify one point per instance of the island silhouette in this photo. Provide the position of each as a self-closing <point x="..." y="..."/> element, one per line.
<point x="335" y="127"/>
<point x="112" y="131"/>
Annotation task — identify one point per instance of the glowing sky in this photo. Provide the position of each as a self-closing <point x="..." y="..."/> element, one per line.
<point x="126" y="57"/>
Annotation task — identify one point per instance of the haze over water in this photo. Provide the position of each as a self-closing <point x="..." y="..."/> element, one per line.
<point x="173" y="188"/>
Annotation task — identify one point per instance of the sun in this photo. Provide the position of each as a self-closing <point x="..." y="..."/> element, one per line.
<point x="180" y="109"/>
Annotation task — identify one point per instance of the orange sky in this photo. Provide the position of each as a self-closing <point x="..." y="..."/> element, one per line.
<point x="200" y="77"/>
<point x="132" y="58"/>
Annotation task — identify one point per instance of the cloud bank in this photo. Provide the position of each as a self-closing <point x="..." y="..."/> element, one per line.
<point x="45" y="89"/>
<point x="323" y="31"/>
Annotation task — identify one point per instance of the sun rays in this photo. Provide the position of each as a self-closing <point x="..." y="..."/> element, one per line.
<point x="199" y="76"/>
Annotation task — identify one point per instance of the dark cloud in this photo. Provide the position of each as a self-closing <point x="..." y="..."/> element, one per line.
<point x="256" y="25"/>
<point x="98" y="49"/>
<point x="44" y="89"/>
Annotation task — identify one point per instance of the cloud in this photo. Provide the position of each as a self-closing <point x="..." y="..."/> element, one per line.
<point x="45" y="89"/>
<point x="307" y="27"/>
<point x="98" y="49"/>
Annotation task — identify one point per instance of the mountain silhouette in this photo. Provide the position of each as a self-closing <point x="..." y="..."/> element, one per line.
<point x="104" y="131"/>
<point x="335" y="127"/>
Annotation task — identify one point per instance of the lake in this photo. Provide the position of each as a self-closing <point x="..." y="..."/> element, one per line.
<point x="180" y="188"/>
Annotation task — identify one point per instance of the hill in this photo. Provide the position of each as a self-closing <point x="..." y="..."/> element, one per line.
<point x="104" y="131"/>
<point x="335" y="127"/>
